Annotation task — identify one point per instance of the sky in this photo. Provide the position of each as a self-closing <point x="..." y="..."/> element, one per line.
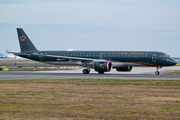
<point x="109" y="25"/>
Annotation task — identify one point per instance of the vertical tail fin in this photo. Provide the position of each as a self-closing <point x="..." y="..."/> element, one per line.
<point x="24" y="41"/>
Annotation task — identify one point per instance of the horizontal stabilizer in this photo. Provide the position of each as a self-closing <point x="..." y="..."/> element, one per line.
<point x="19" y="54"/>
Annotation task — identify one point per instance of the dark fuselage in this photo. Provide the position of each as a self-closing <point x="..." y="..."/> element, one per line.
<point x="118" y="58"/>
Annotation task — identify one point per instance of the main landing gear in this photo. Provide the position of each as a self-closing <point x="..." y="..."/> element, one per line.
<point x="86" y="71"/>
<point x="157" y="72"/>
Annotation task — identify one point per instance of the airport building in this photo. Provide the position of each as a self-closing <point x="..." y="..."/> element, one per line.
<point x="9" y="56"/>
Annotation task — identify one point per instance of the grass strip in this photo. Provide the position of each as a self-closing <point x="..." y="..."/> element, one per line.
<point x="89" y="99"/>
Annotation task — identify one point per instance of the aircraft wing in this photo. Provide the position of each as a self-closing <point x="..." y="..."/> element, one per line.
<point x="71" y="58"/>
<point x="54" y="56"/>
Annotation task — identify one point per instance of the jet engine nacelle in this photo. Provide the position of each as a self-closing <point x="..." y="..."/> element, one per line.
<point x="102" y="66"/>
<point x="124" y="69"/>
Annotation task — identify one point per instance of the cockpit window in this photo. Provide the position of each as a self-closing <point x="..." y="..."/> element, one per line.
<point x="163" y="55"/>
<point x="167" y="55"/>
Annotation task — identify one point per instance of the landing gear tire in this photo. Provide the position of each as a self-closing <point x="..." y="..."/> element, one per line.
<point x="157" y="72"/>
<point x="86" y="71"/>
<point x="100" y="72"/>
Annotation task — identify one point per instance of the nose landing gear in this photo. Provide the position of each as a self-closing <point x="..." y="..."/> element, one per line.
<point x="157" y="72"/>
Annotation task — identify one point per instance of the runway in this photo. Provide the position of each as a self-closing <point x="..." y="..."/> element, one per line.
<point x="137" y="73"/>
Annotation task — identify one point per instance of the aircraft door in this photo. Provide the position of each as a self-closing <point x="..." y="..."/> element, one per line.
<point x="41" y="57"/>
<point x="101" y="56"/>
<point x="154" y="56"/>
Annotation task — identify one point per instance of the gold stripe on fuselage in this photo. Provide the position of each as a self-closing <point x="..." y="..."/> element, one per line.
<point x="117" y="62"/>
<point x="59" y="61"/>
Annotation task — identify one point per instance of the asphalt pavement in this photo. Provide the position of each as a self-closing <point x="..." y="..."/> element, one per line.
<point x="136" y="73"/>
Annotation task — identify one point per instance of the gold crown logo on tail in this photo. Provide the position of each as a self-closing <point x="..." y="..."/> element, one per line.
<point x="22" y="38"/>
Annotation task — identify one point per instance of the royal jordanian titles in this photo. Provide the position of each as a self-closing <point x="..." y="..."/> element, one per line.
<point x="100" y="61"/>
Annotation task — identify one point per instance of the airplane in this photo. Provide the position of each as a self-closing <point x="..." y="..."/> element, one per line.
<point x="100" y="61"/>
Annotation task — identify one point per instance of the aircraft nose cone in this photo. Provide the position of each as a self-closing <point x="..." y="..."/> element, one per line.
<point x="174" y="62"/>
